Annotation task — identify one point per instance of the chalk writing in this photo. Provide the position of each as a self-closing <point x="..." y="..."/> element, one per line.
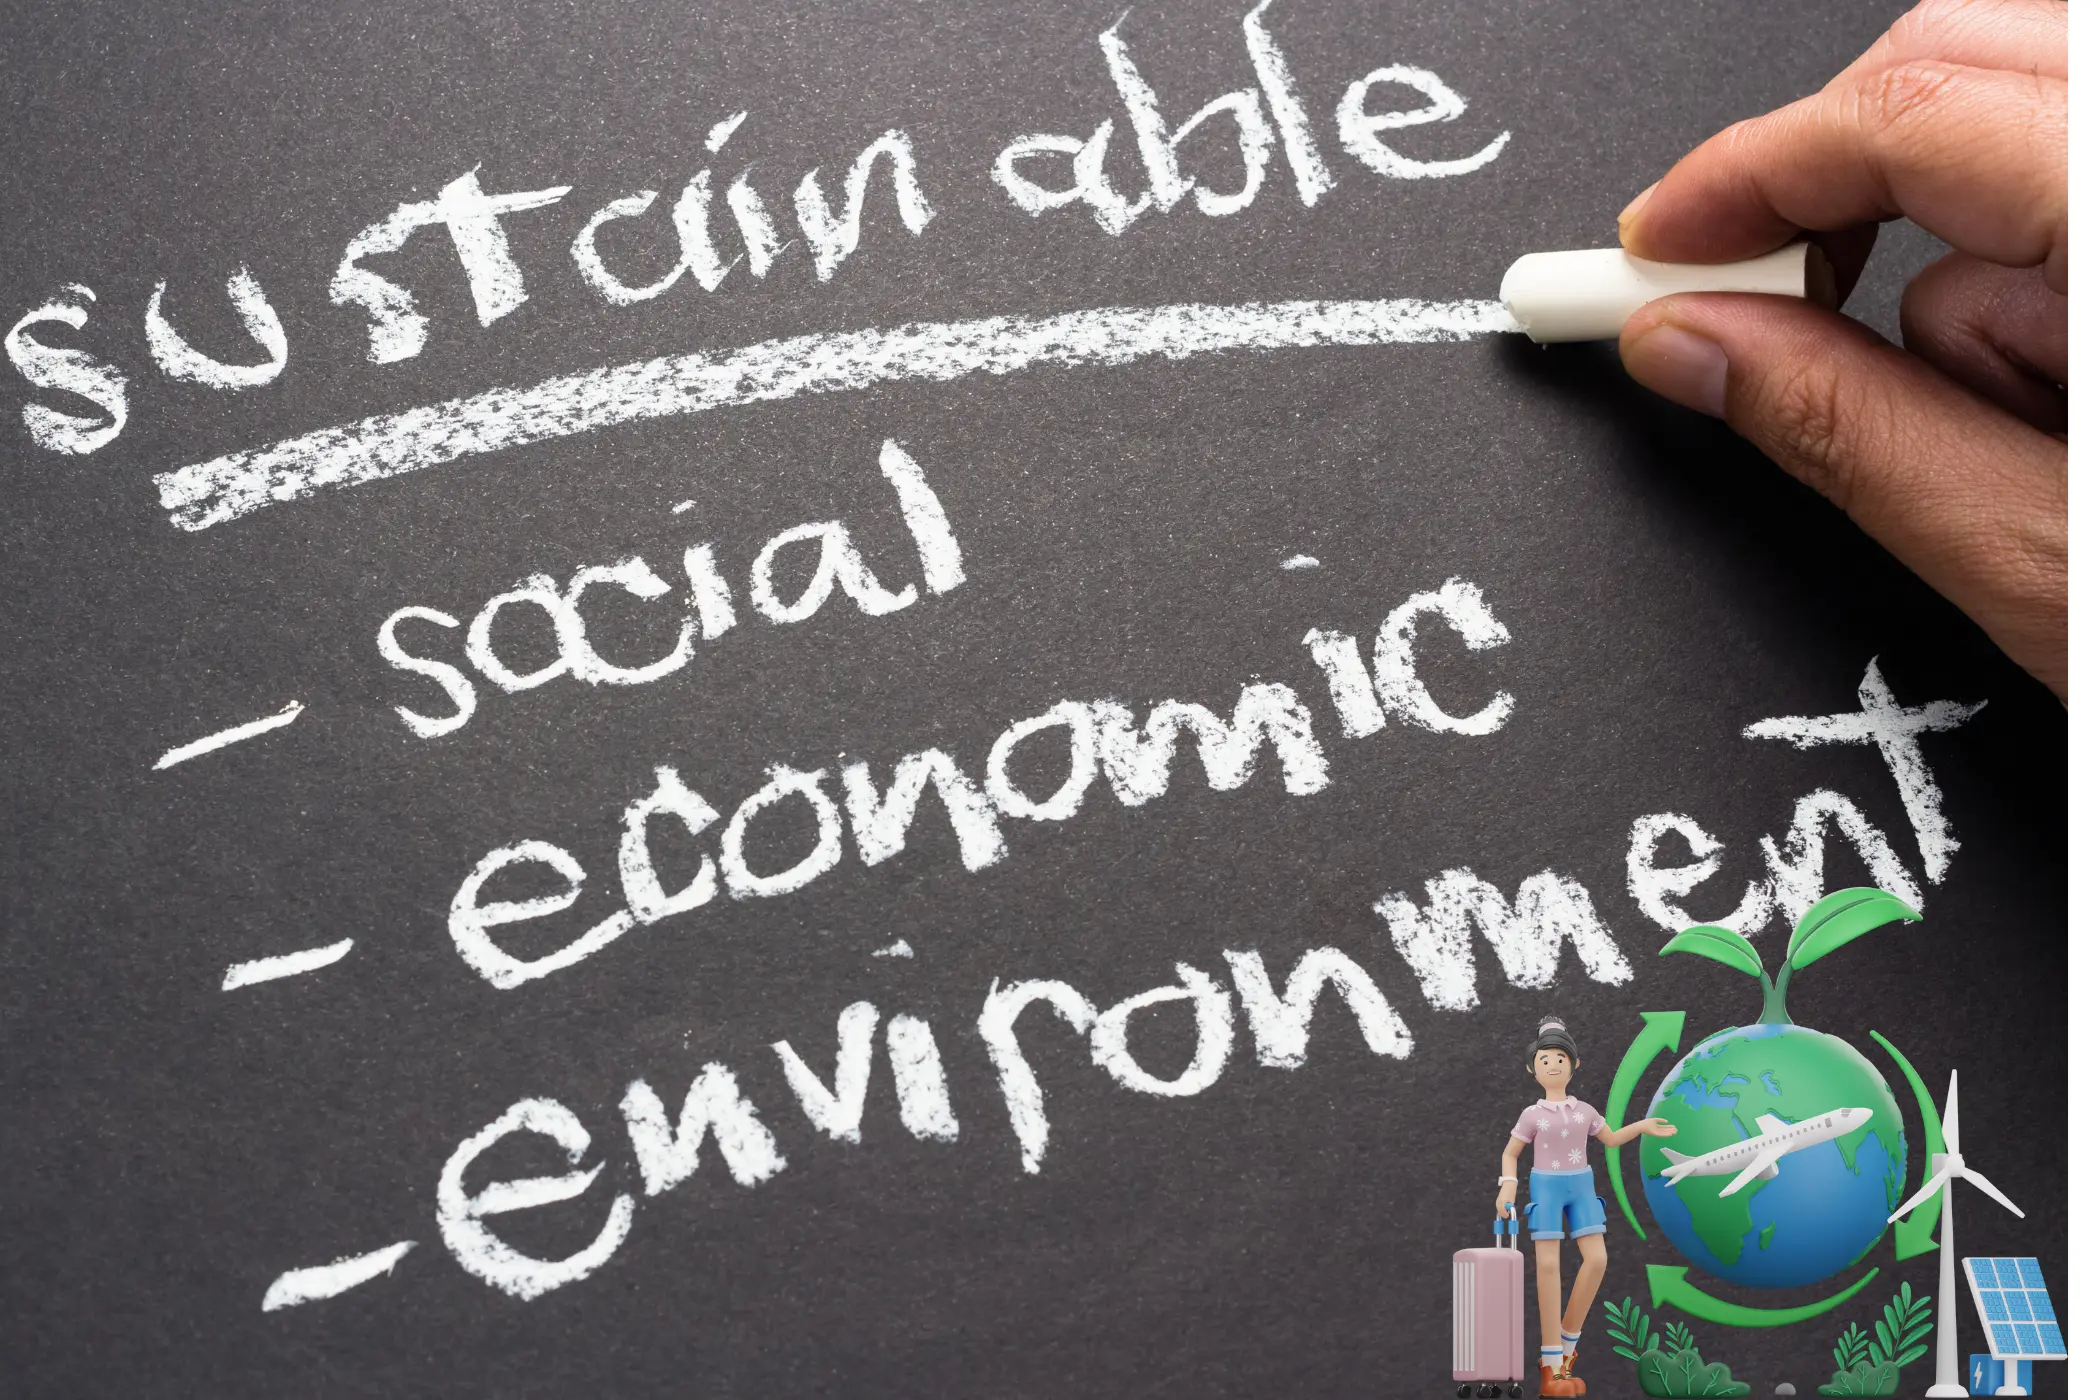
<point x="706" y="605"/>
<point x="1100" y="739"/>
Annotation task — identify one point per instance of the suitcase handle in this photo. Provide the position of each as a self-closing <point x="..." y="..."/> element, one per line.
<point x="1512" y="1227"/>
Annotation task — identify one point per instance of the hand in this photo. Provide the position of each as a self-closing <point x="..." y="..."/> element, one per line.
<point x="1657" y="1127"/>
<point x="1950" y="452"/>
<point x="1506" y="1199"/>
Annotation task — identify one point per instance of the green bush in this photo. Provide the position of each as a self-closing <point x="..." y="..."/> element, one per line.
<point x="1686" y="1373"/>
<point x="1669" y="1365"/>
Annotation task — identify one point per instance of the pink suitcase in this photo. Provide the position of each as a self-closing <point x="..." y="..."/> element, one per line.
<point x="1487" y="1317"/>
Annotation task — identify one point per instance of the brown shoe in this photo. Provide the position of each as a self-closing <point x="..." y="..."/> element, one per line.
<point x="1551" y="1384"/>
<point x="1567" y="1374"/>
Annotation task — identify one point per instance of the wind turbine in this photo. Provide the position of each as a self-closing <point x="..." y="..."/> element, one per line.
<point x="1946" y="1168"/>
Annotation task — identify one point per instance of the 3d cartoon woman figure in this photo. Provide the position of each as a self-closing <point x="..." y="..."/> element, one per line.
<point x="1564" y="1200"/>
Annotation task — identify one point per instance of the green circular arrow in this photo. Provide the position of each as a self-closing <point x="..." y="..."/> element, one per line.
<point x="1914" y="1231"/>
<point x="1660" y="1031"/>
<point x="1667" y="1284"/>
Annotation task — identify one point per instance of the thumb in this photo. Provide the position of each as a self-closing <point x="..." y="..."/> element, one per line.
<point x="1969" y="497"/>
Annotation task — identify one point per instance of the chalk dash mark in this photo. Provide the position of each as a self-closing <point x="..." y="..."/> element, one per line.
<point x="198" y="747"/>
<point x="326" y="1280"/>
<point x="247" y="974"/>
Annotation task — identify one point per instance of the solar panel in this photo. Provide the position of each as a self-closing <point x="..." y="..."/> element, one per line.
<point x="2014" y="1304"/>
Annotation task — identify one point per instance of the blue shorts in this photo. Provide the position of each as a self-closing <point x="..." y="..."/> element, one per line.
<point x="1564" y="1205"/>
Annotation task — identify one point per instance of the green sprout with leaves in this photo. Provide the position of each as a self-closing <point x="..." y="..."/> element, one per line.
<point x="1628" y="1327"/>
<point x="1869" y="1365"/>
<point x="1830" y="923"/>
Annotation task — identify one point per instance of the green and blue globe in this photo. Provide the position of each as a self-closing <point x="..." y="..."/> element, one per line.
<point x="1828" y="1204"/>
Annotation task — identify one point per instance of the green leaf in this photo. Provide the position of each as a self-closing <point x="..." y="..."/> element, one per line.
<point x="1910" y="1355"/>
<point x="1717" y="1381"/>
<point x="1723" y="945"/>
<point x="1683" y="1370"/>
<point x="1837" y="919"/>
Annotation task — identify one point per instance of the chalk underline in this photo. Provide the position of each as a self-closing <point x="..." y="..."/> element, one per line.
<point x="226" y="488"/>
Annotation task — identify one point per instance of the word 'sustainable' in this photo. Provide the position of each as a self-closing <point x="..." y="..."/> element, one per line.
<point x="718" y="233"/>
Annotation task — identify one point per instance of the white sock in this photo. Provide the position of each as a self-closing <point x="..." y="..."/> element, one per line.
<point x="1549" y="1356"/>
<point x="1569" y="1339"/>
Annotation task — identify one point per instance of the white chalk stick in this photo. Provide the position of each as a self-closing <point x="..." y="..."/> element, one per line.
<point x="1589" y="293"/>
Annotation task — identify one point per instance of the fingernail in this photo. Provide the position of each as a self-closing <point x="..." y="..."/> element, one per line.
<point x="1682" y="367"/>
<point x="1627" y="215"/>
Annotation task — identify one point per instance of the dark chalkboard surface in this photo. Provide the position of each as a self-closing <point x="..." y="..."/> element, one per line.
<point x="1478" y="631"/>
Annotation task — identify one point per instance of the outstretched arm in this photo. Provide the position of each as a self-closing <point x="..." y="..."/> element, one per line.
<point x="1647" y="1127"/>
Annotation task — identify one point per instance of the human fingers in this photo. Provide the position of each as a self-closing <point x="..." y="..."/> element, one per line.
<point x="1998" y="330"/>
<point x="1977" y="156"/>
<point x="1968" y="496"/>
<point x="2019" y="36"/>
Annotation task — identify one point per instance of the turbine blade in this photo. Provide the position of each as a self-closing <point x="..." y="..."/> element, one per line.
<point x="1950" y="1117"/>
<point x="1924" y="1194"/>
<point x="1983" y="1184"/>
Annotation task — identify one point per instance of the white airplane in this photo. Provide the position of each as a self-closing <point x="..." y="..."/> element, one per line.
<point x="1758" y="1157"/>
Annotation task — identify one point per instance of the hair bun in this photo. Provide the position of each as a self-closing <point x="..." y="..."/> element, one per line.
<point x="1551" y="1023"/>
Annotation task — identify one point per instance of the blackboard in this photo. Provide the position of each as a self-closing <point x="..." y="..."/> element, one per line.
<point x="1129" y="506"/>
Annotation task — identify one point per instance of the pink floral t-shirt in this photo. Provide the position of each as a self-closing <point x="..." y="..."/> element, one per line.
<point x="1559" y="1133"/>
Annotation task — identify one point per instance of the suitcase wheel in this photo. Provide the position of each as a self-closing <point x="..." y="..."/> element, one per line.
<point x="1516" y="1392"/>
<point x="1465" y="1392"/>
